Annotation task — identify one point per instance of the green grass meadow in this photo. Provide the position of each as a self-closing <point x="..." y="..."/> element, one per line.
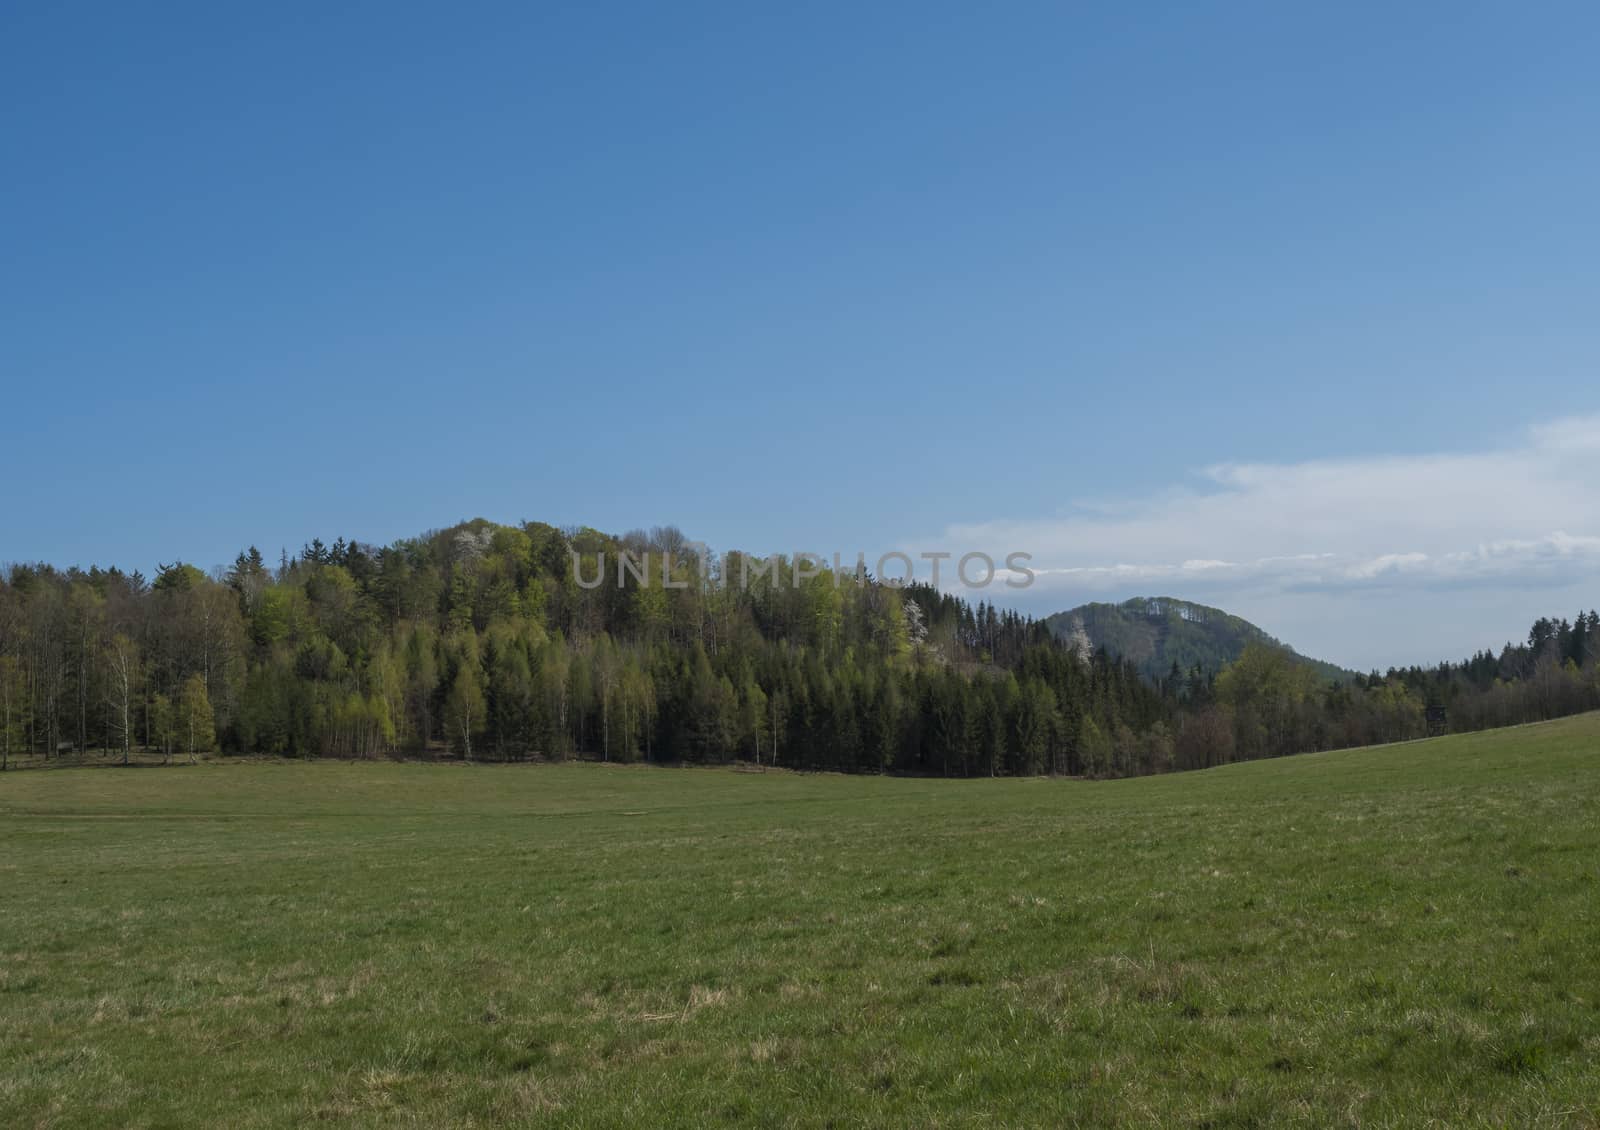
<point x="1396" y="936"/>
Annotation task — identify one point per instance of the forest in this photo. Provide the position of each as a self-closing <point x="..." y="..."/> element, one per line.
<point x="478" y="642"/>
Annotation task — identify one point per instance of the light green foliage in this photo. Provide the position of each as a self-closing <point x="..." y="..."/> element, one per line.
<point x="178" y="577"/>
<point x="196" y="723"/>
<point x="273" y="618"/>
<point x="1094" y="748"/>
<point x="1399" y="711"/>
<point x="335" y="602"/>
<point x="163" y="724"/>
<point x="464" y="705"/>
<point x="1265" y="675"/>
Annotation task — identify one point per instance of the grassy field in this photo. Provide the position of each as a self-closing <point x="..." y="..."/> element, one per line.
<point x="1406" y="935"/>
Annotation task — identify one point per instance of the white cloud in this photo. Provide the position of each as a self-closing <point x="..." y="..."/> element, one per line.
<point x="1402" y="532"/>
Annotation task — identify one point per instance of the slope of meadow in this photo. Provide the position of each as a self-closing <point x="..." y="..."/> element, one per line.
<point x="1390" y="936"/>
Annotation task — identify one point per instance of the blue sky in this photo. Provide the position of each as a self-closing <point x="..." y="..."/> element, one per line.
<point x="830" y="277"/>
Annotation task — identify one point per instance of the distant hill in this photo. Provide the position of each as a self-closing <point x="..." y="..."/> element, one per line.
<point x="1155" y="631"/>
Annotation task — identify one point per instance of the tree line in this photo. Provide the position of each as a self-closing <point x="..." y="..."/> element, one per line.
<point x="478" y="642"/>
<point x="1264" y="704"/>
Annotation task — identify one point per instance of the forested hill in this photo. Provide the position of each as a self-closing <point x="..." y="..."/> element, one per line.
<point x="1156" y="632"/>
<point x="512" y="642"/>
<point x="527" y="641"/>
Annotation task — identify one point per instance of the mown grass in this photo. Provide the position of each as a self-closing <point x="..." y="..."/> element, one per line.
<point x="1395" y="936"/>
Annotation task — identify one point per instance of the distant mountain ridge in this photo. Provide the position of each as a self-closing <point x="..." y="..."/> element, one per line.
<point x="1153" y="632"/>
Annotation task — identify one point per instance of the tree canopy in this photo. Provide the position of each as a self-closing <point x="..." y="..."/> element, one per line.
<point x="479" y="641"/>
